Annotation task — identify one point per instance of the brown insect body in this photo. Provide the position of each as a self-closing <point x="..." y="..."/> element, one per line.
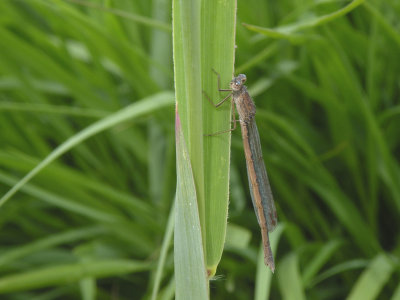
<point x="260" y="189"/>
<point x="261" y="194"/>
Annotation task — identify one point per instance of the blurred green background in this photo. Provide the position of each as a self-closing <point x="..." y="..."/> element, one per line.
<point x="91" y="224"/>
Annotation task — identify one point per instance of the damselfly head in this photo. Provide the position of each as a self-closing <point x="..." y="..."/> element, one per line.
<point x="237" y="82"/>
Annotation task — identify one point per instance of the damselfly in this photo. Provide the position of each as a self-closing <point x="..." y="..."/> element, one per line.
<point x="260" y="189"/>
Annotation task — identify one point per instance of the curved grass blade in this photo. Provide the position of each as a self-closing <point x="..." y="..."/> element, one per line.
<point x="163" y="255"/>
<point x="289" y="31"/>
<point x="63" y="274"/>
<point x="134" y="110"/>
<point x="190" y="271"/>
<point x="373" y="279"/>
<point x="51" y="241"/>
<point x="127" y="15"/>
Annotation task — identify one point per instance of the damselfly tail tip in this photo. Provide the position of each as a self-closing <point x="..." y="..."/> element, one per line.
<point x="269" y="262"/>
<point x="272" y="269"/>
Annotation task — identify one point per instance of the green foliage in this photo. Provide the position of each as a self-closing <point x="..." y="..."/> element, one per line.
<point x="190" y="267"/>
<point x="87" y="158"/>
<point x="203" y="41"/>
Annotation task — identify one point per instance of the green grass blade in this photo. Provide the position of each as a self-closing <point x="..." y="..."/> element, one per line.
<point x="137" y="109"/>
<point x="373" y="279"/>
<point x="290" y="282"/>
<point x="289" y="31"/>
<point x="63" y="274"/>
<point x="217" y="41"/>
<point x="189" y="105"/>
<point x="190" y="271"/>
<point x="130" y="16"/>
<point x="163" y="255"/>
<point x="204" y="35"/>
<point x="88" y="288"/>
<point x="60" y="201"/>
<point x="396" y="294"/>
<point x="322" y="257"/>
<point x="53" y="109"/>
<point x="340" y="268"/>
<point x="51" y="241"/>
